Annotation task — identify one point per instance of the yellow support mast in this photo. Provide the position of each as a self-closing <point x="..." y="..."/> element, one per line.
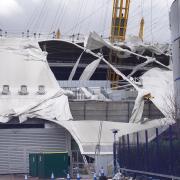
<point x="58" y="34"/>
<point x="141" y="29"/>
<point x="118" y="33"/>
<point x="119" y="19"/>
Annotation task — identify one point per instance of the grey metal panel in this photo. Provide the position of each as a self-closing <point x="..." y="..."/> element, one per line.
<point x="95" y="110"/>
<point x="77" y="110"/>
<point x="146" y="112"/>
<point x="110" y="111"/>
<point x="16" y="144"/>
<point x="74" y="105"/>
<point x="118" y="111"/>
<point x="95" y="105"/>
<point x="77" y="83"/>
<point x="117" y="105"/>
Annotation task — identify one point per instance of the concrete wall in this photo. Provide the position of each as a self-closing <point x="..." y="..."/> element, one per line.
<point x="110" y="111"/>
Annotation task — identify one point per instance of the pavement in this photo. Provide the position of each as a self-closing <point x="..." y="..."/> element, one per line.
<point x="15" y="177"/>
<point x="21" y="177"/>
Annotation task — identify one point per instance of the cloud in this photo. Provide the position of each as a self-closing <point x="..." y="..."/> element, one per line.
<point x="82" y="16"/>
<point x="9" y="7"/>
<point x="52" y="1"/>
<point x="36" y="1"/>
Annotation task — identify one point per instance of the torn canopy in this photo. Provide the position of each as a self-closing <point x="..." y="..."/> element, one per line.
<point x="86" y="132"/>
<point x="95" y="40"/>
<point x="89" y="70"/>
<point x="24" y="65"/>
<point x="161" y="85"/>
<point x="88" y="144"/>
<point x="156" y="81"/>
<point x="132" y="45"/>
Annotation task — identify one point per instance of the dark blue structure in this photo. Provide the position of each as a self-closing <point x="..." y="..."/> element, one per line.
<point x="160" y="156"/>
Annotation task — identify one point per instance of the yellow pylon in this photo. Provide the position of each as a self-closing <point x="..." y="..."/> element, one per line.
<point x="58" y="34"/>
<point x="141" y="29"/>
<point x="119" y="19"/>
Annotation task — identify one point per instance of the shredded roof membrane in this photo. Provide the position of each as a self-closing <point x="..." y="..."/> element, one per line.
<point x="23" y="63"/>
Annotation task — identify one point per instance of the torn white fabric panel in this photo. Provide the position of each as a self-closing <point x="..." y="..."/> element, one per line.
<point x="89" y="70"/>
<point x="125" y="49"/>
<point x="29" y="46"/>
<point x="110" y="65"/>
<point x="75" y="68"/>
<point x="138" y="106"/>
<point x="160" y="83"/>
<point x="139" y="103"/>
<point x="140" y="97"/>
<point x="18" y="69"/>
<point x="86" y="132"/>
<point x="142" y="92"/>
<point x="137" y="110"/>
<point x="87" y="94"/>
<point x="121" y="74"/>
<point x="148" y="61"/>
<point x="133" y="45"/>
<point x="24" y="71"/>
<point x="94" y="41"/>
<point x="55" y="107"/>
<point x="138" y="67"/>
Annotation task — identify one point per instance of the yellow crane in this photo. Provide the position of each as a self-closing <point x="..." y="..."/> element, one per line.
<point x="118" y="32"/>
<point x="141" y="29"/>
<point x="58" y="34"/>
<point x="119" y="19"/>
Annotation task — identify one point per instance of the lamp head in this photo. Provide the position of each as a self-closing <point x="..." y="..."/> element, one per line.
<point x="115" y="131"/>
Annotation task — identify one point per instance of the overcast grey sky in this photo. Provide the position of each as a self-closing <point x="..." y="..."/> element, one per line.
<point x="83" y="16"/>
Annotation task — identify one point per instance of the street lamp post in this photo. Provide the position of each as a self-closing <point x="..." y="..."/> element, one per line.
<point x="0" y="32"/>
<point x="114" y="131"/>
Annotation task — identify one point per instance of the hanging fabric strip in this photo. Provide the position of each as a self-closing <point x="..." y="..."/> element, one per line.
<point x="89" y="70"/>
<point x="75" y="68"/>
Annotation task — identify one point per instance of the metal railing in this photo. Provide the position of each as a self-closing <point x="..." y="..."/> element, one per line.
<point x="90" y="83"/>
<point x="135" y="172"/>
<point x="160" y="157"/>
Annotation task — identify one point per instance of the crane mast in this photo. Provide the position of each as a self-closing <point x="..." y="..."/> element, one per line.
<point x="118" y="33"/>
<point x="141" y="29"/>
<point x="119" y="20"/>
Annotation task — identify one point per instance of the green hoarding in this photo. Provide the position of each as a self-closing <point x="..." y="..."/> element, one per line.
<point x="33" y="165"/>
<point x="42" y="165"/>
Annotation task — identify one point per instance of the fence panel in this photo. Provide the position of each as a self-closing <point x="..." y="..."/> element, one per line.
<point x="160" y="155"/>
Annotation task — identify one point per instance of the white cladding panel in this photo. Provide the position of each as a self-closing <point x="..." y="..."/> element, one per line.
<point x="16" y="144"/>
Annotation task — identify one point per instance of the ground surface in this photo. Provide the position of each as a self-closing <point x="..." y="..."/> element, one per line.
<point x="18" y="177"/>
<point x="14" y="177"/>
